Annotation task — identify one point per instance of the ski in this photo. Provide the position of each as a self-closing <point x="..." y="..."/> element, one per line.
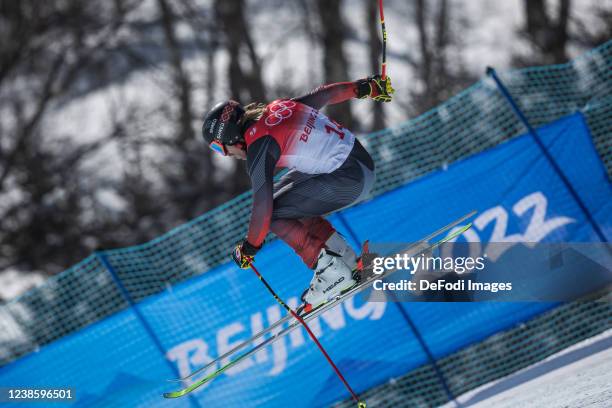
<point x="288" y="317"/>
<point x="418" y="248"/>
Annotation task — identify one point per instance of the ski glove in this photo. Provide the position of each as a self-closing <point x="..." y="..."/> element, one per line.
<point x="244" y="254"/>
<point x="376" y="88"/>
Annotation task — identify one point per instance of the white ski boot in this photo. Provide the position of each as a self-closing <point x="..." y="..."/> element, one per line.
<point x="333" y="274"/>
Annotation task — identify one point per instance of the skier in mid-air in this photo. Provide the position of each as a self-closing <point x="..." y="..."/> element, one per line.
<point x="329" y="170"/>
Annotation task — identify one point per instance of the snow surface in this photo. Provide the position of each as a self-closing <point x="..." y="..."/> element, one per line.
<point x="577" y="377"/>
<point x="14" y="282"/>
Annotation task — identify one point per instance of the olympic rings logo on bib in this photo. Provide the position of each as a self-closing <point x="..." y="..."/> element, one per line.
<point x="279" y="112"/>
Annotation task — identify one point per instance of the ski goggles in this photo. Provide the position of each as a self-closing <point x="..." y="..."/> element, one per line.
<point x="218" y="147"/>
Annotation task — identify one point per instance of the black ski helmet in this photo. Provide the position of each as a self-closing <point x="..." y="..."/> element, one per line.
<point x="221" y="123"/>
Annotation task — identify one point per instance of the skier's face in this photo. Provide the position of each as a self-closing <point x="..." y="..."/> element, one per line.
<point x="238" y="151"/>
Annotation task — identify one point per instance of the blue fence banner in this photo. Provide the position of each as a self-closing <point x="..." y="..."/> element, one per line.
<point x="519" y="198"/>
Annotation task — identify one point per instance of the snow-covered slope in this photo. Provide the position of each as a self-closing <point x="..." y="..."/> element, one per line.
<point x="577" y="377"/>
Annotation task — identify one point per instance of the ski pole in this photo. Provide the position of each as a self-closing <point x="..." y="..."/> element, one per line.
<point x="360" y="404"/>
<point x="384" y="41"/>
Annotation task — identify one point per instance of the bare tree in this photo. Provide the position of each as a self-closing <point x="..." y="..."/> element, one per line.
<point x="335" y="64"/>
<point x="432" y="69"/>
<point x="440" y="79"/>
<point x="590" y="34"/>
<point x="311" y="37"/>
<point x="547" y="33"/>
<point x="245" y="82"/>
<point x="189" y="178"/>
<point x="595" y="31"/>
<point x="44" y="190"/>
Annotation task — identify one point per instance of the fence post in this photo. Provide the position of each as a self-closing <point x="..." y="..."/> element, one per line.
<point x="534" y="134"/>
<point x="410" y="322"/>
<point x="145" y="324"/>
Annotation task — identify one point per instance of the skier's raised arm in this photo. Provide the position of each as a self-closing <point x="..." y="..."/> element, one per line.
<point x="373" y="87"/>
